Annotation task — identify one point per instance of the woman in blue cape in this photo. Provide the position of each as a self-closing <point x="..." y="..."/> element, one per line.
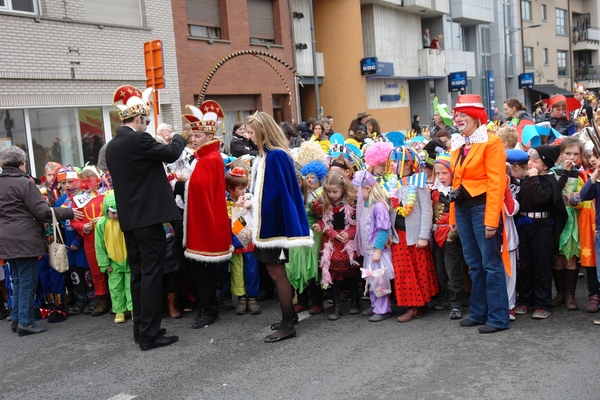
<point x="279" y="220"/>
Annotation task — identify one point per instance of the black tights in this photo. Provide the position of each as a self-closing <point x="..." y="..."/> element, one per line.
<point x="336" y="288"/>
<point x="285" y="294"/>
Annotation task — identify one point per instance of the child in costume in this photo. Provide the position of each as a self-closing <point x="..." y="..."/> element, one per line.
<point x="447" y="248"/>
<point x="376" y="157"/>
<point x="565" y="270"/>
<point x="587" y="227"/>
<point x="336" y="209"/>
<point x="302" y="269"/>
<point x="372" y="232"/>
<point x="314" y="172"/>
<point x="245" y="276"/>
<point x="83" y="288"/>
<point x="111" y="254"/>
<point x="90" y="202"/>
<point x="416" y="282"/>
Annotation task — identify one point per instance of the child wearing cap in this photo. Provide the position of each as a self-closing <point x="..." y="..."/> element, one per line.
<point x="80" y="276"/>
<point x="447" y="248"/>
<point x="541" y="221"/>
<point x="89" y="201"/>
<point x="245" y="275"/>
<point x="111" y="254"/>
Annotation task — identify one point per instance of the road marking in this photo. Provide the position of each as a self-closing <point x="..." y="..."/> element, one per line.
<point x="123" y="396"/>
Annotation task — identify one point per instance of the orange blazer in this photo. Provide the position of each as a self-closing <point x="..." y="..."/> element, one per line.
<point x="482" y="171"/>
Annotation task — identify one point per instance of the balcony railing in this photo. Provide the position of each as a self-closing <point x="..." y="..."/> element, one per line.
<point x="588" y="73"/>
<point x="585" y="33"/>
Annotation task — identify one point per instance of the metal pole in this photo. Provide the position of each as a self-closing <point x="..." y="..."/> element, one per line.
<point x="314" y="59"/>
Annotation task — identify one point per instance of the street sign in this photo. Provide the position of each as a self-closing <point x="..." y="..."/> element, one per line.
<point x="526" y="81"/>
<point x="457" y="81"/>
<point x="491" y="92"/>
<point x="154" y="64"/>
<point x="368" y="66"/>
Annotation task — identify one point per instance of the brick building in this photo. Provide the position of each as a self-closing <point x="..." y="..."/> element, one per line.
<point x="61" y="63"/>
<point x="208" y="30"/>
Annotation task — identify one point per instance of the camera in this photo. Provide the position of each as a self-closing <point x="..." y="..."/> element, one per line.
<point x="455" y="195"/>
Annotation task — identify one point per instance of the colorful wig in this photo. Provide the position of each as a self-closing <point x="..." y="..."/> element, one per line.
<point x="318" y="168"/>
<point x="310" y="151"/>
<point x="377" y="153"/>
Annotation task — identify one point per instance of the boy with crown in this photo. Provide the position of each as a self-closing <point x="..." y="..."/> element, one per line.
<point x="205" y="218"/>
<point x="145" y="200"/>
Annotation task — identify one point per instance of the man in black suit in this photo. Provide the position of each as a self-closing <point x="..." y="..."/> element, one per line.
<point x="145" y="201"/>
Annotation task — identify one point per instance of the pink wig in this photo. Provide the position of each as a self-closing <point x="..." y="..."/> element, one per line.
<point x="378" y="153"/>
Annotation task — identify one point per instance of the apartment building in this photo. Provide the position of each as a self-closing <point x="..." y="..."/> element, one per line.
<point x="61" y="63"/>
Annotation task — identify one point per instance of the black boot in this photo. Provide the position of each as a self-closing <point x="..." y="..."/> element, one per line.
<point x="559" y="283"/>
<point x="336" y="313"/>
<point x="354" y="301"/>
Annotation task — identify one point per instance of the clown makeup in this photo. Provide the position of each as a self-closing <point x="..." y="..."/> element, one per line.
<point x="443" y="174"/>
<point x="313" y="182"/>
<point x="90" y="184"/>
<point x="113" y="215"/>
<point x="465" y="123"/>
<point x="335" y="194"/>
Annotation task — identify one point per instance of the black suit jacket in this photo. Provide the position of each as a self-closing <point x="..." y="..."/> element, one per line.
<point x="142" y="191"/>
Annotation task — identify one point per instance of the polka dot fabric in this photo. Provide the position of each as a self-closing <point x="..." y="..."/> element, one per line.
<point x="416" y="281"/>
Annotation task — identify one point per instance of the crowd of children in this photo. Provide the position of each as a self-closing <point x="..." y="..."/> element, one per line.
<point x="379" y="216"/>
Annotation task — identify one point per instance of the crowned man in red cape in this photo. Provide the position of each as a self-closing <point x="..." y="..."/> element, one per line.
<point x="206" y="234"/>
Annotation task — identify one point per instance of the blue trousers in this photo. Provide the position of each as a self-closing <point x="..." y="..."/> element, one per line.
<point x="489" y="299"/>
<point x="24" y="273"/>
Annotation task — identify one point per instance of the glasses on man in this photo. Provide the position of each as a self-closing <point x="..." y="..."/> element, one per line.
<point x="146" y="120"/>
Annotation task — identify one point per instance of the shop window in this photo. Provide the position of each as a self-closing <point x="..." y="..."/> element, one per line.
<point x="12" y="131"/>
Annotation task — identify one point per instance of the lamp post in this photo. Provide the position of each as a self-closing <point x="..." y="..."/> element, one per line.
<point x="506" y="50"/>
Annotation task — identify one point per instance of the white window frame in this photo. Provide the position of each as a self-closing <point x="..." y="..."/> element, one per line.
<point x="525" y="6"/>
<point x="8" y="7"/>
<point x="561" y="56"/>
<point x="564" y="21"/>
<point x="529" y="50"/>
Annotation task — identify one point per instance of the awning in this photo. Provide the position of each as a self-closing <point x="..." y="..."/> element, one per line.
<point x="550" y="90"/>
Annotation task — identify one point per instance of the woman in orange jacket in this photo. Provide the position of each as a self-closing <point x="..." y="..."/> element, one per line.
<point x="479" y="167"/>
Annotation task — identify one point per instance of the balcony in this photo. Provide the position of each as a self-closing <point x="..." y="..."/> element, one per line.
<point x="432" y="63"/>
<point x="472" y="12"/>
<point x="588" y="76"/>
<point x="457" y="60"/>
<point x="586" y="38"/>
<point x="425" y="8"/>
<point x="304" y="63"/>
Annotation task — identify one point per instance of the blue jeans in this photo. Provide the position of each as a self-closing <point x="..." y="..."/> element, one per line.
<point x="489" y="298"/>
<point x="25" y="282"/>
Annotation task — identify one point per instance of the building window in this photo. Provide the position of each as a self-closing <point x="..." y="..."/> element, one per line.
<point x="544" y="13"/>
<point x="24" y="6"/>
<point x="561" y="56"/>
<point x="528" y="57"/>
<point x="560" y="22"/>
<point x="118" y="12"/>
<point x="260" y="21"/>
<point x="545" y="56"/>
<point x="204" y="18"/>
<point x="526" y="10"/>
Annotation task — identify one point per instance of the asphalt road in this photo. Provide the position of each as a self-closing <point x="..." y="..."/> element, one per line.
<point x="428" y="358"/>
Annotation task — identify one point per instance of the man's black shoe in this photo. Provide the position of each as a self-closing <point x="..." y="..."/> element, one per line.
<point x="161" y="332"/>
<point x="204" y="321"/>
<point x="161" y="341"/>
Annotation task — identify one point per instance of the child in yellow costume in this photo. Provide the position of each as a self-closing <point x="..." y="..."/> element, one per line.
<point x="111" y="254"/>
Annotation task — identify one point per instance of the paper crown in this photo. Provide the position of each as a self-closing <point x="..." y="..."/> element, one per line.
<point x="131" y="102"/>
<point x="206" y="117"/>
<point x="469" y="100"/>
<point x="579" y="88"/>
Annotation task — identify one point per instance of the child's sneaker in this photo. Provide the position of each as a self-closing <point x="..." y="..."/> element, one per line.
<point x="120" y="318"/>
<point x="521" y="310"/>
<point x="253" y="306"/>
<point x="597" y="321"/>
<point x="242" y="306"/>
<point x="511" y="314"/>
<point x="541" y="314"/>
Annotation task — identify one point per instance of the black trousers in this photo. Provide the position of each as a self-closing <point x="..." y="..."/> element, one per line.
<point x="448" y="263"/>
<point x="536" y="258"/>
<point x="146" y="249"/>
<point x="205" y="277"/>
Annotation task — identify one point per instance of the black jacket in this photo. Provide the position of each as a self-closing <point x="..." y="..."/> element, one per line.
<point x="22" y="212"/>
<point x="142" y="190"/>
<point x="240" y="146"/>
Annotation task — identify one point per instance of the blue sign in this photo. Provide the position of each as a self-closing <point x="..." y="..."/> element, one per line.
<point x="526" y="81"/>
<point x="368" y="66"/>
<point x="457" y="81"/>
<point x="491" y="92"/>
<point x="385" y="68"/>
<point x="389" y="97"/>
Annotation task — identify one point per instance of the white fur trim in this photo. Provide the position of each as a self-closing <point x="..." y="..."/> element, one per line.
<point x="185" y="202"/>
<point x="209" y="259"/>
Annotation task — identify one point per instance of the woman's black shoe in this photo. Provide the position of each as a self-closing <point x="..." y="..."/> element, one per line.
<point x="161" y="341"/>
<point x="13" y="326"/>
<point x="277" y="325"/>
<point x="275" y="339"/>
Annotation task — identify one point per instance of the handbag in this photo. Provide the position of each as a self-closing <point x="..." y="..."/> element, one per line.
<point x="59" y="257"/>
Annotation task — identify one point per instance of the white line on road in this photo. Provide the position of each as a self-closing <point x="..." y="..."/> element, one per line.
<point x="123" y="396"/>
